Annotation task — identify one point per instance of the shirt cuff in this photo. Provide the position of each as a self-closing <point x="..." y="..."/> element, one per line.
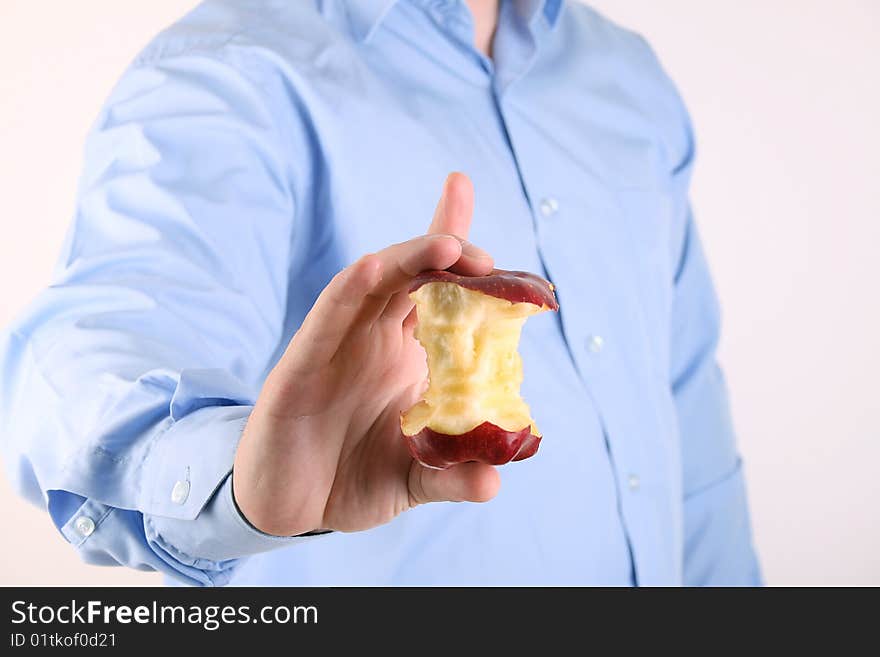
<point x="192" y="515"/>
<point x="188" y="461"/>
<point x="219" y="533"/>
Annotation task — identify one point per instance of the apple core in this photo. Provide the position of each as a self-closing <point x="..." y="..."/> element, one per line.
<point x="470" y="329"/>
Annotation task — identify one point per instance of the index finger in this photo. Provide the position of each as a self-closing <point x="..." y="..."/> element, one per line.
<point x="453" y="216"/>
<point x="356" y="297"/>
<point x="401" y="262"/>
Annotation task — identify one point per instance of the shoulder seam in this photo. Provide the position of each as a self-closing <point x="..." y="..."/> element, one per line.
<point x="156" y="53"/>
<point x="157" y="49"/>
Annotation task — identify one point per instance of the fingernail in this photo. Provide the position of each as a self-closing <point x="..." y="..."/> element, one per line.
<point x="473" y="251"/>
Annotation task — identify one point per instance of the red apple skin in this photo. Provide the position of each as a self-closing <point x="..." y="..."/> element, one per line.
<point x="486" y="443"/>
<point x="513" y="286"/>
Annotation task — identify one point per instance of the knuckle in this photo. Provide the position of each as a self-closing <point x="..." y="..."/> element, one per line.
<point x="366" y="260"/>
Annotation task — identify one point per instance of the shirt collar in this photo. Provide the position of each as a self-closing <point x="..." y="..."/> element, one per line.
<point x="528" y="9"/>
<point x="364" y="16"/>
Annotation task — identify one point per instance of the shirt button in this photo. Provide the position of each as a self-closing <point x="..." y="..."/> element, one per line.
<point x="180" y="492"/>
<point x="634" y="482"/>
<point x="548" y="206"/>
<point x="84" y="525"/>
<point x="595" y="343"/>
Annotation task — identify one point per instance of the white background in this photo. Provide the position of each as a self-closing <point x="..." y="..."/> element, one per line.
<point x="785" y="96"/>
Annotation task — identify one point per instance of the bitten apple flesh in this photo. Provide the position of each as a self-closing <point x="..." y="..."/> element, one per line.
<point x="470" y="327"/>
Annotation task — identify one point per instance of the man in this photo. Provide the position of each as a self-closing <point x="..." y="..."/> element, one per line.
<point x="211" y="386"/>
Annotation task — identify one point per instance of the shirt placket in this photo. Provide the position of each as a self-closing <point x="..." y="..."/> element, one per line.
<point x="587" y="328"/>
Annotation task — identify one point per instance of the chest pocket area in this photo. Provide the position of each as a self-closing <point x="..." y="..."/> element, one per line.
<point x="647" y="215"/>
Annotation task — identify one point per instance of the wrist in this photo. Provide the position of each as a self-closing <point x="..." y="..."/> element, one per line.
<point x="264" y="518"/>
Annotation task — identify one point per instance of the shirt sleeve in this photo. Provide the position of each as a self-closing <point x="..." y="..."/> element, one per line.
<point x="125" y="386"/>
<point x="718" y="546"/>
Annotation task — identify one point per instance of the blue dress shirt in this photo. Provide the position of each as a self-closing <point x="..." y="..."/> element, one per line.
<point x="253" y="150"/>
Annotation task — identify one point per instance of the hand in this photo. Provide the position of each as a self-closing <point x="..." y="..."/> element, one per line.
<point x="322" y="448"/>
